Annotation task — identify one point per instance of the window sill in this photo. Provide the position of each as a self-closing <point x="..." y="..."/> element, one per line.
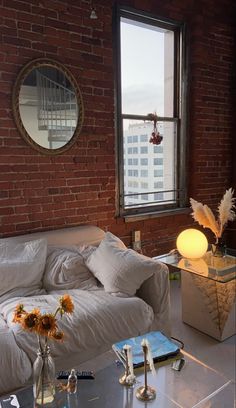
<point x="159" y="214"/>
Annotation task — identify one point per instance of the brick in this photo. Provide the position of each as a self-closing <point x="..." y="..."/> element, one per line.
<point x="78" y="186"/>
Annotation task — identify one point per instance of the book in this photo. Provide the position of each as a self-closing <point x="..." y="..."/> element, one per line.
<point x="161" y="347"/>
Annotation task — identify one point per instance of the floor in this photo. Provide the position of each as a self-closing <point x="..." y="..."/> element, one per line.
<point x="218" y="355"/>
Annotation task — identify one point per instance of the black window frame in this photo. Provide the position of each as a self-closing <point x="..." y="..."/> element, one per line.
<point x="179" y="114"/>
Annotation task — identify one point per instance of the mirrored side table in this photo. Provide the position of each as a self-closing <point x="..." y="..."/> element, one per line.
<point x="208" y="292"/>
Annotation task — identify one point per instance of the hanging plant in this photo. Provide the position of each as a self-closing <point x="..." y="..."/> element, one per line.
<point x="155" y="138"/>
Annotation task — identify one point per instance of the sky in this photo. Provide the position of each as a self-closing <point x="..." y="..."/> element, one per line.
<point x="142" y="52"/>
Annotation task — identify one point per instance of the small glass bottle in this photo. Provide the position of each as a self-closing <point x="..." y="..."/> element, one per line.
<point x="72" y="382"/>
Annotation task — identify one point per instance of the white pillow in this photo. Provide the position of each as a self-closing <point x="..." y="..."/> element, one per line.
<point x="65" y="269"/>
<point x="21" y="268"/>
<point x="121" y="271"/>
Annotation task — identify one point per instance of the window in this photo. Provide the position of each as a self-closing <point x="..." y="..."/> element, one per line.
<point x="144" y="184"/>
<point x="149" y="79"/>
<point x="133" y="162"/>
<point x="158" y="184"/>
<point x="144" y="162"/>
<point x="132" y="150"/>
<point x="145" y="197"/>
<point x="158" y="149"/>
<point x="143" y="138"/>
<point x="157" y="161"/>
<point x="132" y="183"/>
<point x="143" y="149"/>
<point x="132" y="173"/>
<point x="158" y="196"/>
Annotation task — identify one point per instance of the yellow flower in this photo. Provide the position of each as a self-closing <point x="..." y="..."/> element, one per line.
<point x="29" y="321"/>
<point x="67" y="306"/>
<point x="47" y="324"/>
<point x="18" y="313"/>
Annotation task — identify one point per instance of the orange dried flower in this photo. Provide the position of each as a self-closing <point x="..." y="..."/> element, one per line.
<point x="29" y="321"/>
<point x="18" y="313"/>
<point x="47" y="324"/>
<point x="58" y="335"/>
<point x="67" y="305"/>
<point x="43" y="324"/>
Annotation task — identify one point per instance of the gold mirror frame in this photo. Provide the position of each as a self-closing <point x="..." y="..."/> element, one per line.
<point x="25" y="71"/>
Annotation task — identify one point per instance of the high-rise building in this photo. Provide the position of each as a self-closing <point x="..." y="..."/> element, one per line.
<point x="149" y="170"/>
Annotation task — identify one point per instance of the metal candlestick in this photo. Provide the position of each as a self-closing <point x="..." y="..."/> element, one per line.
<point x="127" y="379"/>
<point x="145" y="392"/>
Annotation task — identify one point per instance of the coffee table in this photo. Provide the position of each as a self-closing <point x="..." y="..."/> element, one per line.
<point x="208" y="292"/>
<point x="195" y="386"/>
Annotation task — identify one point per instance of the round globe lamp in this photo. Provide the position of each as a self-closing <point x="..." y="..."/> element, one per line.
<point x="192" y="244"/>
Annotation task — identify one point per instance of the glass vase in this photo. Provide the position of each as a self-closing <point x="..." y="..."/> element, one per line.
<point x="218" y="248"/>
<point x="44" y="377"/>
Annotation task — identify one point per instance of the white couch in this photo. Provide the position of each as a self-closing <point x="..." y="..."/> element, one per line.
<point x="99" y="319"/>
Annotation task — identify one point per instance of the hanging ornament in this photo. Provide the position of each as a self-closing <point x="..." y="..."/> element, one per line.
<point x="155" y="138"/>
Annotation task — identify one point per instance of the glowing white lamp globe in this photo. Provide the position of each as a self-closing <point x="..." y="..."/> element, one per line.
<point x="192" y="244"/>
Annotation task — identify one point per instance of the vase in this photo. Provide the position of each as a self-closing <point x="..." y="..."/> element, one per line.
<point x="44" y="377"/>
<point x="219" y="248"/>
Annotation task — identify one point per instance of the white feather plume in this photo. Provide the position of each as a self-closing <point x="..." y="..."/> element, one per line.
<point x="205" y="217"/>
<point x="225" y="209"/>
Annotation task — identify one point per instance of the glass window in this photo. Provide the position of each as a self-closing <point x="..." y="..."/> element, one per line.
<point x="158" y="184"/>
<point x="158" y="161"/>
<point x="158" y="149"/>
<point x="144" y="162"/>
<point x="143" y="138"/>
<point x="159" y="196"/>
<point x="145" y="197"/>
<point x="149" y="58"/>
<point x="143" y="149"/>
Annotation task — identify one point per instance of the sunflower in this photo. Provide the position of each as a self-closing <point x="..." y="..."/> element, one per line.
<point x="67" y="306"/>
<point x="57" y="335"/>
<point x="18" y="313"/>
<point x="30" y="321"/>
<point x="47" y="324"/>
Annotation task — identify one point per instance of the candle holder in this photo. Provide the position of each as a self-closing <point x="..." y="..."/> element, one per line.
<point x="145" y="392"/>
<point x="127" y="378"/>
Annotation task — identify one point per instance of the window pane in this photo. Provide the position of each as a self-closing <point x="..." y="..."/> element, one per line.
<point x="147" y="68"/>
<point x="143" y="150"/>
<point x="161" y="171"/>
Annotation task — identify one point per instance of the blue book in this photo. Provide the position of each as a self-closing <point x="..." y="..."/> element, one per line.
<point x="161" y="347"/>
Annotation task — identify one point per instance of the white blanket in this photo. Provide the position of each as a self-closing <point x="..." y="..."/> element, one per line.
<point x="99" y="319"/>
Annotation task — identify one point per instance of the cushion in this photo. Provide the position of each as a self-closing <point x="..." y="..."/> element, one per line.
<point x="21" y="268"/>
<point x="65" y="269"/>
<point x="121" y="271"/>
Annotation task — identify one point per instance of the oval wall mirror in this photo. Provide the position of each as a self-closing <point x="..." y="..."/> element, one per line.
<point x="47" y="106"/>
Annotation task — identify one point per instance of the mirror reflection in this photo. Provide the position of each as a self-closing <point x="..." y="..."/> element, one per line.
<point x="47" y="106"/>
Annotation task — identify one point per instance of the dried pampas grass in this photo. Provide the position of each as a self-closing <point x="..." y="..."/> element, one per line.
<point x="205" y="217"/>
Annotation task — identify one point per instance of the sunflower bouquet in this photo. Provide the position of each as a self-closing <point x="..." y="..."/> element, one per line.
<point x="43" y="324"/>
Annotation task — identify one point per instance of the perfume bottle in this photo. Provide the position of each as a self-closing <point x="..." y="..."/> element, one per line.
<point x="72" y="382"/>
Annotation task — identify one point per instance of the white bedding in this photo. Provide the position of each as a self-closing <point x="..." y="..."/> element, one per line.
<point x="99" y="320"/>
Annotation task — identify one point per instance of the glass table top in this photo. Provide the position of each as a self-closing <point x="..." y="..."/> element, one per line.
<point x="196" y="385"/>
<point x="209" y="266"/>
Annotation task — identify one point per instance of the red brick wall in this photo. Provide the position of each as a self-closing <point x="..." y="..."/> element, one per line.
<point x="41" y="192"/>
